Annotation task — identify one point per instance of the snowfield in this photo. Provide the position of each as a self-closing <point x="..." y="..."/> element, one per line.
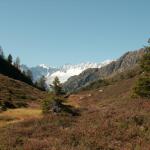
<point x="68" y="71"/>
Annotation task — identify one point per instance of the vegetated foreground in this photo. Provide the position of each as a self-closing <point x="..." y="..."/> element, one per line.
<point x="109" y="120"/>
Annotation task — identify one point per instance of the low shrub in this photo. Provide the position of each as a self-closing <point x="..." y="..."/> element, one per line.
<point x="51" y="104"/>
<point x="55" y="104"/>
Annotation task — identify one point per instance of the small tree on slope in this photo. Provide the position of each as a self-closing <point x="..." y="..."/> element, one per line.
<point x="55" y="101"/>
<point x="10" y="59"/>
<point x="57" y="87"/>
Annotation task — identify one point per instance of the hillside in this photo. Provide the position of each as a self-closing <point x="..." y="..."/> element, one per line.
<point x="128" y="61"/>
<point x="11" y="71"/>
<point x="109" y="120"/>
<point x="16" y="93"/>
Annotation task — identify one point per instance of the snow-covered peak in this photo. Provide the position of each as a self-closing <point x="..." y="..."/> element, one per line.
<point x="44" y="66"/>
<point x="68" y="70"/>
<point x="64" y="72"/>
<point x="84" y="66"/>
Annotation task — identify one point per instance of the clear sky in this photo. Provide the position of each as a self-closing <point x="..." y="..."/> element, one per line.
<point x="56" y="32"/>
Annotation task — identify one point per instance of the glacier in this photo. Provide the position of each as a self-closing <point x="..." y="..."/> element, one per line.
<point x="63" y="73"/>
<point x="67" y="71"/>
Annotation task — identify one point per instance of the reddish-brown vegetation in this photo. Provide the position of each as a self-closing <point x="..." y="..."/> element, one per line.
<point x="110" y="120"/>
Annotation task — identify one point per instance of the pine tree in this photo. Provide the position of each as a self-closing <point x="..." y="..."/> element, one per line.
<point x="57" y="87"/>
<point x="143" y="85"/>
<point x="29" y="74"/>
<point x="17" y="63"/>
<point x="10" y="58"/>
<point x="41" y="83"/>
<point x="1" y="53"/>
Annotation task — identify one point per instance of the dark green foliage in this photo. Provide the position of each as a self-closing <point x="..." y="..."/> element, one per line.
<point x="46" y="105"/>
<point x="139" y="120"/>
<point x="57" y="87"/>
<point x="51" y="104"/>
<point x="1" y="53"/>
<point x="40" y="84"/>
<point x="143" y="85"/>
<point x="145" y="62"/>
<point x="55" y="104"/>
<point x="17" y="63"/>
<point x="10" y="59"/>
<point x="20" y="104"/>
<point x="29" y="74"/>
<point x="9" y="70"/>
<point x="2" y="107"/>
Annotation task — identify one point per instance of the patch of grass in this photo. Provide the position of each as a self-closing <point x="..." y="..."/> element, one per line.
<point x="16" y="115"/>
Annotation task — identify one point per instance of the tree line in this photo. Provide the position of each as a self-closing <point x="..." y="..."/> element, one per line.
<point x="12" y="67"/>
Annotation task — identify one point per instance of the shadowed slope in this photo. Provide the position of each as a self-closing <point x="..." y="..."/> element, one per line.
<point x="17" y="92"/>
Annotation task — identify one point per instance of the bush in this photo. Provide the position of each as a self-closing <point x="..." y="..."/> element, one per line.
<point x="19" y="104"/>
<point x="2" y="107"/>
<point x="55" y="104"/>
<point x="52" y="104"/>
<point x="46" y="105"/>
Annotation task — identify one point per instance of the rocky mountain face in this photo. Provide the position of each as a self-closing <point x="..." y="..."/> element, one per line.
<point x="128" y="61"/>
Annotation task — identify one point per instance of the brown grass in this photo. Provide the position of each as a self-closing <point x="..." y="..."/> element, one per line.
<point x="110" y="120"/>
<point x="17" y="115"/>
<point x="17" y="91"/>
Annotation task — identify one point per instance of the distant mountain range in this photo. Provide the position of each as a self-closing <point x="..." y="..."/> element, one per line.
<point x="63" y="73"/>
<point x="77" y="76"/>
<point x="127" y="61"/>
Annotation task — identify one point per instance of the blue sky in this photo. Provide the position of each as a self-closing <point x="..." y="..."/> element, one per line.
<point x="56" y="32"/>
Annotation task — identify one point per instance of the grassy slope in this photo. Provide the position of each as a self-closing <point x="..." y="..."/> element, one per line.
<point x="110" y="120"/>
<point x="17" y="91"/>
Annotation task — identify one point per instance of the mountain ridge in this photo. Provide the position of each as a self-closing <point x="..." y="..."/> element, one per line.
<point x="63" y="72"/>
<point x="126" y="61"/>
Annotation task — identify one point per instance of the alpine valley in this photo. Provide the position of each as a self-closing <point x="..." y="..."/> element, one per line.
<point x="63" y="73"/>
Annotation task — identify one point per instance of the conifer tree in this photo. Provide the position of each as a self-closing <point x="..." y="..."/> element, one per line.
<point x="1" y="53"/>
<point x="17" y="63"/>
<point x="29" y="74"/>
<point x="56" y="86"/>
<point x="10" y="59"/>
<point x="143" y="85"/>
<point x="41" y="83"/>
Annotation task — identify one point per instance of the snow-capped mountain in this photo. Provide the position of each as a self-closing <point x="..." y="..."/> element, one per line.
<point x="42" y="70"/>
<point x="67" y="71"/>
<point x="63" y="73"/>
<point x="39" y="71"/>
